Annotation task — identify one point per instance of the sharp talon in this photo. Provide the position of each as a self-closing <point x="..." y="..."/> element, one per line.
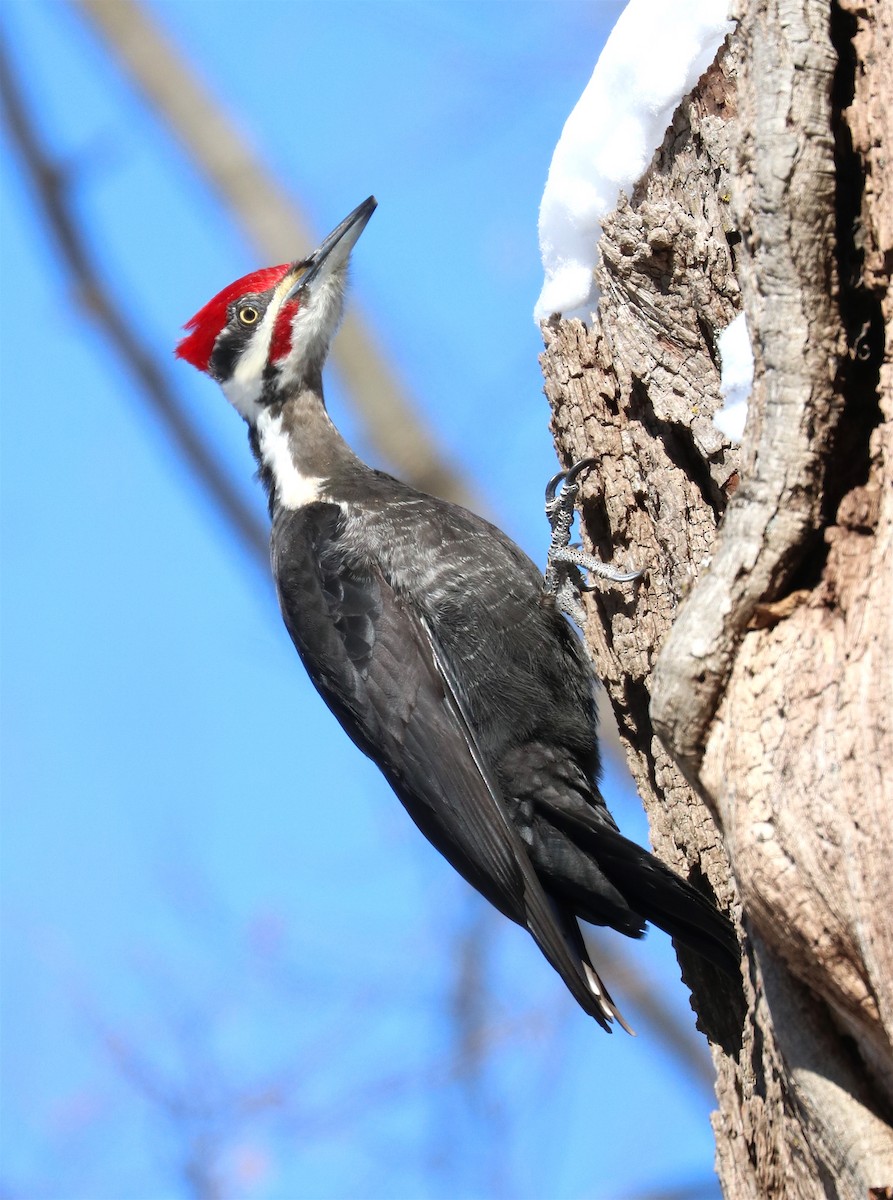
<point x="595" y="566"/>
<point x="552" y="486"/>
<point x="609" y="573"/>
<point x="584" y="464"/>
<point x="567" y="478"/>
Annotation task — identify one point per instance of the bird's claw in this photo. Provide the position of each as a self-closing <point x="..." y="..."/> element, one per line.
<point x="595" y="566"/>
<point x="568" y="479"/>
<point x="564" y="561"/>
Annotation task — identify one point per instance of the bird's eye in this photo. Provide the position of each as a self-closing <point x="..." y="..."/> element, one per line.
<point x="248" y="314"/>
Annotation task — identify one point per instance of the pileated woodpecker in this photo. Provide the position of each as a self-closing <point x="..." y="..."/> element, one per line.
<point x="431" y="637"/>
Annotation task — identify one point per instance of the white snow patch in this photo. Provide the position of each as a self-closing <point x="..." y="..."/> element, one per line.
<point x="655" y="55"/>
<point x="736" y="378"/>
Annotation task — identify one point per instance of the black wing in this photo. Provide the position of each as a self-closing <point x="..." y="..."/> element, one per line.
<point x="370" y="655"/>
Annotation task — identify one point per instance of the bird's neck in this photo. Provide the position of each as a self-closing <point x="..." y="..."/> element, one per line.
<point x="301" y="454"/>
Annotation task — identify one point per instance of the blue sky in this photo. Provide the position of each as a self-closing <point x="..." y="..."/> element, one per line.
<point x="223" y="941"/>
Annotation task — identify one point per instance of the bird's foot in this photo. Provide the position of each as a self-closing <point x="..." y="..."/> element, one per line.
<point x="562" y="577"/>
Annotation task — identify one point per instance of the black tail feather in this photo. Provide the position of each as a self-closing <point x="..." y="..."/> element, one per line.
<point x="658" y="894"/>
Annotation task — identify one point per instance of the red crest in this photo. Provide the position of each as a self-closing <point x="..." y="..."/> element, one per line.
<point x="202" y="330"/>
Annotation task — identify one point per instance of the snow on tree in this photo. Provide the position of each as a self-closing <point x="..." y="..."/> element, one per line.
<point x="752" y="672"/>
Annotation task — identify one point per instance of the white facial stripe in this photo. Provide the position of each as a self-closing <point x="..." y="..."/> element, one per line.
<point x="313" y="328"/>
<point x="246" y="384"/>
<point x="293" y="489"/>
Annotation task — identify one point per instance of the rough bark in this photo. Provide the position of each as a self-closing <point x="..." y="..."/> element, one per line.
<point x="751" y="671"/>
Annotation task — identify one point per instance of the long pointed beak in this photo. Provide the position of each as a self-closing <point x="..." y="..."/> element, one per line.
<point x="335" y="250"/>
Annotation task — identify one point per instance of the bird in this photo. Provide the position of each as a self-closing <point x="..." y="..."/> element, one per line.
<point x="436" y="643"/>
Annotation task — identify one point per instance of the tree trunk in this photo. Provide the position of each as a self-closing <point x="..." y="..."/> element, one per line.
<point x="752" y="671"/>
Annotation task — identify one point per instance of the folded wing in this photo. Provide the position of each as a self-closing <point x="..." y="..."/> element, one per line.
<point x="377" y="665"/>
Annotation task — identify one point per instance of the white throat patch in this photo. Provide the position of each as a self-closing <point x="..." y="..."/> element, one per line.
<point x="292" y="488"/>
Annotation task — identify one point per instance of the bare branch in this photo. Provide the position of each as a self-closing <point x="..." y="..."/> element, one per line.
<point x="273" y="222"/>
<point x="52" y="188"/>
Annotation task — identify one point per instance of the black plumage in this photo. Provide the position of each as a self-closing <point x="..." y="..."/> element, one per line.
<point x="430" y="635"/>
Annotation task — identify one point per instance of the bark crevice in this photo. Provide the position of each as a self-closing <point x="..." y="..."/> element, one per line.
<point x="751" y="672"/>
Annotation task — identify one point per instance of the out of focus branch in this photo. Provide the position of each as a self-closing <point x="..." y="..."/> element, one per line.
<point x="646" y="996"/>
<point x="471" y="1003"/>
<point x="52" y="190"/>
<point x="272" y="221"/>
<point x="706" y="1187"/>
